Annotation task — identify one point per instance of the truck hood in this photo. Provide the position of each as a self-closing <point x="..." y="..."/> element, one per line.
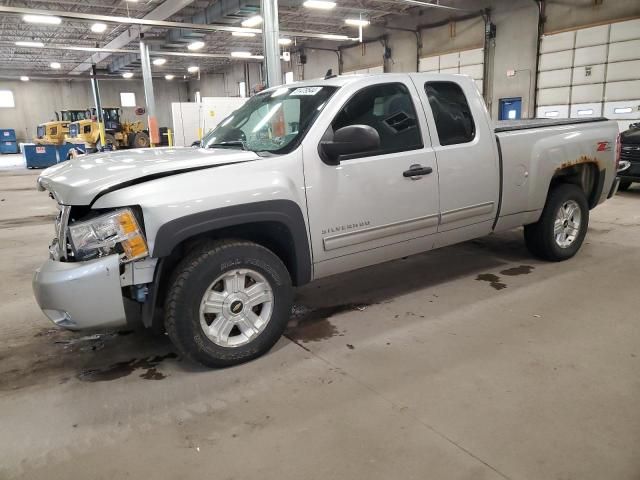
<point x="79" y="181"/>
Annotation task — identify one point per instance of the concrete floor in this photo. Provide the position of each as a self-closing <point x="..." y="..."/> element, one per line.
<point x="412" y="369"/>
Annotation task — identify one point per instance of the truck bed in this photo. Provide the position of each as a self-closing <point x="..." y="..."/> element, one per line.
<point x="524" y="124"/>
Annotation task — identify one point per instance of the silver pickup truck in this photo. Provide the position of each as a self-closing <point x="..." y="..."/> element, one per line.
<point x="304" y="181"/>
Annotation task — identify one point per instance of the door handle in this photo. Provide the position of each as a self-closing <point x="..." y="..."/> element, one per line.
<point x="416" y="171"/>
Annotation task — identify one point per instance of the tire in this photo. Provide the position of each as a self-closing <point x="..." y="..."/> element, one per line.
<point x="624" y="185"/>
<point x="140" y="140"/>
<point x="540" y="238"/>
<point x="109" y="139"/>
<point x="196" y="276"/>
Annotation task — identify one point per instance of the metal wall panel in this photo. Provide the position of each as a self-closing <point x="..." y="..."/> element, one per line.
<point x="629" y="30"/>
<point x="623" y="70"/>
<point x="450" y="60"/>
<point x="627" y="90"/>
<point x="429" y="64"/>
<point x="588" y="74"/>
<point x="556" y="60"/>
<point x="557" y="42"/>
<point x="590" y="55"/>
<point x="554" y="78"/>
<point x="586" y="37"/>
<point x="472" y="57"/>
<point x="474" y="71"/>
<point x="621" y="51"/>
<point x="587" y="93"/>
<point x="554" y="96"/>
<point x="622" y="110"/>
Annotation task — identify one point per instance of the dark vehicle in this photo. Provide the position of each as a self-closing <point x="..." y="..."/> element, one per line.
<point x="629" y="170"/>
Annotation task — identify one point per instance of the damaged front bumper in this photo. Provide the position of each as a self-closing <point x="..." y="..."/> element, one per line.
<point x="81" y="295"/>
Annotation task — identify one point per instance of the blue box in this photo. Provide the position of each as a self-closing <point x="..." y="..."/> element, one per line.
<point x="40" y="156"/>
<point x="7" y="134"/>
<point x="8" y="146"/>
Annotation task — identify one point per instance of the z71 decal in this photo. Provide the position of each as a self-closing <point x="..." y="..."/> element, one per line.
<point x="604" y="146"/>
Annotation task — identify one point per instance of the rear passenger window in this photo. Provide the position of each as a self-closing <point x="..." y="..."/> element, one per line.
<point x="451" y="112"/>
<point x="389" y="109"/>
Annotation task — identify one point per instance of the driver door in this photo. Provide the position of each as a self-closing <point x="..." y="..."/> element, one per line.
<point x="368" y="202"/>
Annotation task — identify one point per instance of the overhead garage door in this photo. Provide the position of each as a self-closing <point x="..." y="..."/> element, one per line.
<point x="591" y="72"/>
<point x="468" y="62"/>
<point x="376" y="69"/>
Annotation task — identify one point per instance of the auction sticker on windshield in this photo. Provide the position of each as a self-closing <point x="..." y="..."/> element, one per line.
<point x="306" y="91"/>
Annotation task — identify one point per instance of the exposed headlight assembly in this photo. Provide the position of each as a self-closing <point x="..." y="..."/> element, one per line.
<point x="114" y="232"/>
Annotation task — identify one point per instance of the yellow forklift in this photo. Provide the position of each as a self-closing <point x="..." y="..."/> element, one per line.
<point x="54" y="132"/>
<point x="117" y="134"/>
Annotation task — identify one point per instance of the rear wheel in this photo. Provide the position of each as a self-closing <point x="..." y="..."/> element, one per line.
<point x="559" y="233"/>
<point x="228" y="302"/>
<point x="624" y="185"/>
<point x="140" y="140"/>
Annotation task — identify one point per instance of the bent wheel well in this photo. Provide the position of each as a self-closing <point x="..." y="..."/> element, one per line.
<point x="586" y="176"/>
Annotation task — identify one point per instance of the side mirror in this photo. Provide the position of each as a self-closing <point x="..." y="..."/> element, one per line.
<point x="349" y="140"/>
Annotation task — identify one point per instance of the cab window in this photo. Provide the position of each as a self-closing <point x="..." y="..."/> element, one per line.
<point x="451" y="113"/>
<point x="389" y="109"/>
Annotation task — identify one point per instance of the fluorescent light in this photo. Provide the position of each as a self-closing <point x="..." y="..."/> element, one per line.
<point x="243" y="34"/>
<point x="24" y="78"/>
<point x="622" y="110"/>
<point x="284" y="41"/>
<point x="195" y="45"/>
<point x="46" y="19"/>
<point x="159" y="61"/>
<point x="241" y="54"/>
<point x="55" y="65"/>
<point x="169" y="77"/>
<point x="553" y="113"/>
<point x="30" y="44"/>
<point x="127" y="75"/>
<point x="193" y="69"/>
<point x="357" y="22"/>
<point x="252" y="21"/>
<point x="329" y="36"/>
<point x="320" y="4"/>
<point x="588" y="111"/>
<point x="98" y="27"/>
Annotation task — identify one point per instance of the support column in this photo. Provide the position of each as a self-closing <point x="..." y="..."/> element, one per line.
<point x="154" y="132"/>
<point x="98" y="103"/>
<point x="270" y="37"/>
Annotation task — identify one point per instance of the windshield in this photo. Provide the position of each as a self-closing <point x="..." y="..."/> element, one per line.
<point x="274" y="121"/>
<point x="73" y="115"/>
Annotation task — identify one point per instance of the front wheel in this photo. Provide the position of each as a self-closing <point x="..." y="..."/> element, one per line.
<point x="624" y="185"/>
<point x="559" y="233"/>
<point x="228" y="302"/>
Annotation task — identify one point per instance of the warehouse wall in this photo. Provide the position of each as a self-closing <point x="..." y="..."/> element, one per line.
<point x="224" y="82"/>
<point x="36" y="100"/>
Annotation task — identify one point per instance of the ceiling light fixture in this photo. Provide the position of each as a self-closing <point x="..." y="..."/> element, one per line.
<point x="284" y="41"/>
<point x="24" y="78"/>
<point x="193" y="69"/>
<point x="127" y="75"/>
<point x="243" y="34"/>
<point x="330" y="36"/>
<point x="55" y="65"/>
<point x="159" y="61"/>
<point x="357" y="22"/>
<point x="195" y="45"/>
<point x="252" y="21"/>
<point x="98" y="27"/>
<point x="169" y="77"/>
<point x="44" y="19"/>
<point x="30" y="44"/>
<point x="320" y="4"/>
<point x="241" y="54"/>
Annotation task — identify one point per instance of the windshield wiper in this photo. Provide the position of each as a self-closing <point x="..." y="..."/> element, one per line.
<point x="230" y="143"/>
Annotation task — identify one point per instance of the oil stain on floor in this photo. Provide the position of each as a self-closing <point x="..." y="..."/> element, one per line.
<point x="496" y="282"/>
<point x="313" y="325"/>
<point x="123" y="369"/>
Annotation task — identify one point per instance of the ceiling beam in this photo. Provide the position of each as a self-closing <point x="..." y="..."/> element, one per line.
<point x="422" y="3"/>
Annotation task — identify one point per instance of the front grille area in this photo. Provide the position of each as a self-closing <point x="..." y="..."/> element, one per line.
<point x="630" y="153"/>
<point x="40" y="132"/>
<point x="73" y="130"/>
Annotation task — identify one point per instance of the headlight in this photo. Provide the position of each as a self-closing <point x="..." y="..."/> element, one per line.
<point x="115" y="232"/>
